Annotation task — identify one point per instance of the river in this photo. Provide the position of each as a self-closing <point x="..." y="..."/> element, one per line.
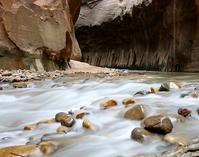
<point x="111" y="137"/>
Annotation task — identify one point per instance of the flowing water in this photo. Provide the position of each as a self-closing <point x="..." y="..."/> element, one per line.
<point x="111" y="136"/>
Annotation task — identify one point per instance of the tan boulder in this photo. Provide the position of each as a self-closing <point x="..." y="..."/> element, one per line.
<point x="137" y="112"/>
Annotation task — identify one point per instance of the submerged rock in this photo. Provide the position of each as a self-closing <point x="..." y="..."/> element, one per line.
<point x="48" y="147"/>
<point x="63" y="129"/>
<point x="108" y="104"/>
<point x="184" y="112"/>
<point x="140" y="135"/>
<point x="158" y="124"/>
<point x="137" y="112"/>
<point x="128" y="101"/>
<point x="174" y="138"/>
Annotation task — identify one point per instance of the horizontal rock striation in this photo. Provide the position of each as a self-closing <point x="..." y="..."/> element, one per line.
<point x="38" y="29"/>
<point x="140" y="34"/>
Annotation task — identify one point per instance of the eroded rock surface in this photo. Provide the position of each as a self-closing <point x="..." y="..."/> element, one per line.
<point x="140" y="34"/>
<point x="38" y="28"/>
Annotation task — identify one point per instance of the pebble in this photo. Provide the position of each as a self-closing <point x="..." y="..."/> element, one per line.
<point x="61" y="116"/>
<point x="63" y="129"/>
<point x="80" y="115"/>
<point x="87" y="124"/>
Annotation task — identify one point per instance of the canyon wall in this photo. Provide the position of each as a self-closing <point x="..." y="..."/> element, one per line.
<point x="140" y="34"/>
<point x="38" y="34"/>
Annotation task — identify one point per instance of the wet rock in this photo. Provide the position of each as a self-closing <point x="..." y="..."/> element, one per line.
<point x="184" y="112"/>
<point x="29" y="127"/>
<point x="69" y="122"/>
<point x="81" y="115"/>
<point x="48" y="147"/>
<point x="61" y="116"/>
<point x="142" y="93"/>
<point x="194" y="94"/>
<point x="140" y="135"/>
<point x="20" y="85"/>
<point x="176" y="139"/>
<point x="158" y="124"/>
<point x="1" y="88"/>
<point x="87" y="124"/>
<point x="108" y="104"/>
<point x="19" y="151"/>
<point x="128" y="101"/>
<point x="164" y="87"/>
<point x="154" y="90"/>
<point x="136" y="113"/>
<point x="63" y="129"/>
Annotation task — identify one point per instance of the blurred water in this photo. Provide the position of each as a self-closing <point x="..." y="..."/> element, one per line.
<point x="42" y="100"/>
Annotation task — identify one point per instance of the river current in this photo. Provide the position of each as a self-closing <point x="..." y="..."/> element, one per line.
<point x="111" y="137"/>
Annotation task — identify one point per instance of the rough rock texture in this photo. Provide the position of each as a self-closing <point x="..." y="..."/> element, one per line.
<point x="38" y="28"/>
<point x="191" y="150"/>
<point x="140" y="34"/>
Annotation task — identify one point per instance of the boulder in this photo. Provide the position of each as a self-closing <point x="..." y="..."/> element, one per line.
<point x="158" y="124"/>
<point x="137" y="112"/>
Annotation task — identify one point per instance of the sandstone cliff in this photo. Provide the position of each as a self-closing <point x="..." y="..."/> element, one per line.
<point x="140" y="34"/>
<point x="39" y="30"/>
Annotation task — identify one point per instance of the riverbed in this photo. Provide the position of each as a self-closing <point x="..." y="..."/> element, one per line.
<point x="111" y="134"/>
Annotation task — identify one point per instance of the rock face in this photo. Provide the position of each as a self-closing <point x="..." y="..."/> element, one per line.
<point x="40" y="29"/>
<point x="144" y="34"/>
